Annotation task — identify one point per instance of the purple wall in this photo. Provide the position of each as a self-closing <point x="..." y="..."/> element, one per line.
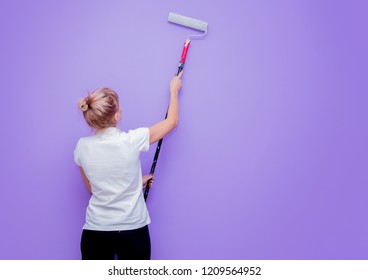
<point x="269" y="160"/>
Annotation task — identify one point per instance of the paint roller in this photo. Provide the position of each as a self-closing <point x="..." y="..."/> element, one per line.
<point x="191" y="23"/>
<point x="194" y="24"/>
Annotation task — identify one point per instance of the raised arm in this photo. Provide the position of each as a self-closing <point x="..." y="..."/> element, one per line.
<point x="162" y="128"/>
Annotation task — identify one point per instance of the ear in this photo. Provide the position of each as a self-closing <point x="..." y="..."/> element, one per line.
<point x="117" y="116"/>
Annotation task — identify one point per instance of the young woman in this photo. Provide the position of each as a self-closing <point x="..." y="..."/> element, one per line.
<point x="116" y="216"/>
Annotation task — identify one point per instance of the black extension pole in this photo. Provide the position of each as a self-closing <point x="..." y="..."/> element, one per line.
<point x="153" y="166"/>
<point x="158" y="148"/>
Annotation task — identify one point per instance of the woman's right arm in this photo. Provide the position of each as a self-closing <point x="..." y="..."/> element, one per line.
<point x="162" y="128"/>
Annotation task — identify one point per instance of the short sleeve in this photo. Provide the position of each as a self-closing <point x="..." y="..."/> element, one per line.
<point x="140" y="138"/>
<point x="76" y="155"/>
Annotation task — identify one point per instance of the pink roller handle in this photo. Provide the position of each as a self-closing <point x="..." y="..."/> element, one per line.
<point x="183" y="56"/>
<point x="185" y="51"/>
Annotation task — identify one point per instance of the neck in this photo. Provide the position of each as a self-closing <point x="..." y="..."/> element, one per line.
<point x="98" y="131"/>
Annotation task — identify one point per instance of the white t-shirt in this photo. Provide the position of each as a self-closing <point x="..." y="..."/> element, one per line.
<point x="110" y="160"/>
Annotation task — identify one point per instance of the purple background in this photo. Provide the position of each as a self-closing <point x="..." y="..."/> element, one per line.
<point x="270" y="157"/>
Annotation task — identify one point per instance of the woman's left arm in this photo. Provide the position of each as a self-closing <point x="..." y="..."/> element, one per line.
<point x="85" y="180"/>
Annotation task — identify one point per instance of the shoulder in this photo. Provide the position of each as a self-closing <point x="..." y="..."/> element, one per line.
<point x="137" y="131"/>
<point x="84" y="140"/>
<point x="139" y="137"/>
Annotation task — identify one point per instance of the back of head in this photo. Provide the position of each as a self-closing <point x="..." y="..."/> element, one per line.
<point x="100" y="108"/>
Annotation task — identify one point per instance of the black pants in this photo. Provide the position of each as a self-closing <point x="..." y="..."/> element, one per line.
<point x="125" y="245"/>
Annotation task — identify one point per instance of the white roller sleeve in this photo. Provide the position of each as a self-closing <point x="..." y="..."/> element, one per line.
<point x="188" y="22"/>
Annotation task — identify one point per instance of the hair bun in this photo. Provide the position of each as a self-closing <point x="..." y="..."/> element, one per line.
<point x="83" y="104"/>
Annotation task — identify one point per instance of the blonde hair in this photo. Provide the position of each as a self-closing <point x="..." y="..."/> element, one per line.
<point x="100" y="107"/>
